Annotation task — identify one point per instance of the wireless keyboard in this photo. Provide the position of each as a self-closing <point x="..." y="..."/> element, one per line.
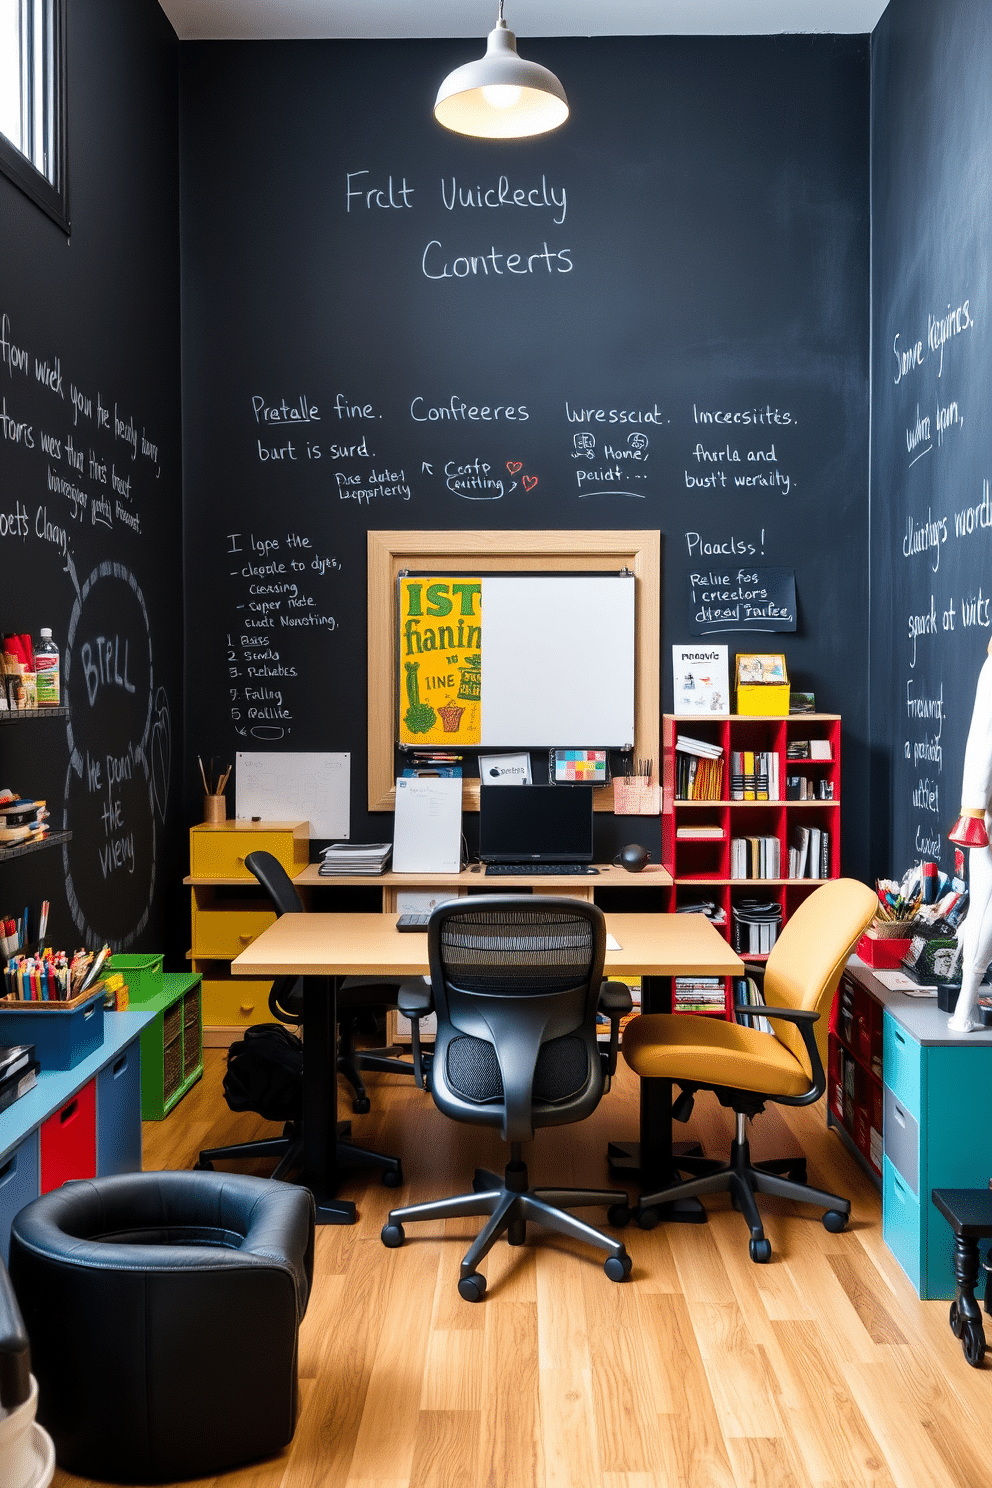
<point x="524" y="870"/>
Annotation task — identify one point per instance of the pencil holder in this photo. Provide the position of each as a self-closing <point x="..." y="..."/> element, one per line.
<point x="636" y="795"/>
<point x="214" y="808"/>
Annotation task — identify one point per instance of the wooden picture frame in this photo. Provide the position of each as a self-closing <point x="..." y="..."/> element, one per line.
<point x="513" y="552"/>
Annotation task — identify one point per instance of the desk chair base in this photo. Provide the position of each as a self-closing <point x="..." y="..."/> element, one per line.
<point x="743" y="1180"/>
<point x="510" y="1203"/>
<point x="289" y="1150"/>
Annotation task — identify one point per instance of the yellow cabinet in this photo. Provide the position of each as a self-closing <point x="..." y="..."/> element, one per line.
<point x="218" y="849"/>
<point x="229" y="909"/>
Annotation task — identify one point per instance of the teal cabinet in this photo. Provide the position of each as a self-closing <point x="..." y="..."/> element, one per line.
<point x="937" y="1134"/>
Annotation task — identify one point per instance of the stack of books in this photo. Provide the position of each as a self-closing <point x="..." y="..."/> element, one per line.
<point x="755" y="857"/>
<point x="698" y="769"/>
<point x="354" y="859"/>
<point x="756" y="925"/>
<point x="809" y="854"/>
<point x="21" y="819"/>
<point x="18" y="1072"/>
<point x="714" y="912"/>
<point x="698" y="994"/>
<point x="754" y="775"/>
<point x="799" y="788"/>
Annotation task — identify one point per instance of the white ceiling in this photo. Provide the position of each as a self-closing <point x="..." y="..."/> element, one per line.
<point x="258" y="20"/>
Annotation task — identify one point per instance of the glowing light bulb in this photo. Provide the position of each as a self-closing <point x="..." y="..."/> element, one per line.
<point x="501" y="95"/>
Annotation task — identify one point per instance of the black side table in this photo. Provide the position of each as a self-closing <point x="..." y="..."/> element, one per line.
<point x="968" y="1211"/>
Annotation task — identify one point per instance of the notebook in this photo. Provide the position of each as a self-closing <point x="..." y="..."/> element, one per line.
<point x="535" y="824"/>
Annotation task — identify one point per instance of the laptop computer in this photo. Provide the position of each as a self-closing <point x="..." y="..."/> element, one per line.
<point x="535" y="829"/>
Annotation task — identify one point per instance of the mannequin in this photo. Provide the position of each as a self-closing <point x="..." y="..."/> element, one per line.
<point x="972" y="830"/>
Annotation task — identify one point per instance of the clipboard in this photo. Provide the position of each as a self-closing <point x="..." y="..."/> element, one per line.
<point x="427" y="826"/>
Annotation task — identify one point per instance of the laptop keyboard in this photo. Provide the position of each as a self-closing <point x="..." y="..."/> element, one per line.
<point x="521" y="870"/>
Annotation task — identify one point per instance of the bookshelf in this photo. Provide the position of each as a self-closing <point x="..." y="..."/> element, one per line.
<point x="697" y="835"/>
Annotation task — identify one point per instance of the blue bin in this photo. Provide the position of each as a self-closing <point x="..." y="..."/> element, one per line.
<point x="62" y="1036"/>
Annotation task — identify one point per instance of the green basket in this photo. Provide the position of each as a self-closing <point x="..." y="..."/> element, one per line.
<point x="143" y="975"/>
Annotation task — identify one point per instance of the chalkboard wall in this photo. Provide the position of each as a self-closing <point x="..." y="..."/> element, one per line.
<point x="90" y="505"/>
<point x="656" y="317"/>
<point x="932" y="414"/>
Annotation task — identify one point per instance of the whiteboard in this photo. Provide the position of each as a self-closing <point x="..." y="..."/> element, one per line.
<point x="558" y="660"/>
<point x="296" y="787"/>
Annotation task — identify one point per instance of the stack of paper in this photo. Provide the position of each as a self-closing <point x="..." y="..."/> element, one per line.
<point x="354" y="858"/>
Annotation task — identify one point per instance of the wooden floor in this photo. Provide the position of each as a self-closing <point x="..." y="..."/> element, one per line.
<point x="701" y="1371"/>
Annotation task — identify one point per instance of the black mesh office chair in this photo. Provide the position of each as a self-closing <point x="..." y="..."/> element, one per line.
<point x="516" y="983"/>
<point x="355" y="994"/>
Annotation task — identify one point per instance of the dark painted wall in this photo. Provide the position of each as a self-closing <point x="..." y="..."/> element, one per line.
<point x="931" y="416"/>
<point x="90" y="506"/>
<point x="696" y="242"/>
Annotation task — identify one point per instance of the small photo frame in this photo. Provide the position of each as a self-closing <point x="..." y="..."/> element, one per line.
<point x="505" y="769"/>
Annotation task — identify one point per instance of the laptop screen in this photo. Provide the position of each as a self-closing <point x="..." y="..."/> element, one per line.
<point x="535" y="823"/>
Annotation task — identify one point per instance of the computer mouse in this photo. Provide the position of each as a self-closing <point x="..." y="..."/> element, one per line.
<point x="633" y="857"/>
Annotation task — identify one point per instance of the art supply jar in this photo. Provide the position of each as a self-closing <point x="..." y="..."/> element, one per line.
<point x="46" y="661"/>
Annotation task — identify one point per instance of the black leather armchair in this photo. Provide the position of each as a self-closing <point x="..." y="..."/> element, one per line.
<point x="163" y="1311"/>
<point x="516" y="983"/>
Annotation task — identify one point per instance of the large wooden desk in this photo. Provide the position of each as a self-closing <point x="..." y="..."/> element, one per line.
<point x="318" y="946"/>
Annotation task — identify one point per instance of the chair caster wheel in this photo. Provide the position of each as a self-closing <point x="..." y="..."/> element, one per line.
<point x="955" y="1319"/>
<point x="472" y="1288"/>
<point x="619" y="1216"/>
<point x="392" y="1178"/>
<point x="973" y="1343"/>
<point x="618" y="1268"/>
<point x="392" y="1235"/>
<point x="203" y="1165"/>
<point x="760" y="1251"/>
<point x="647" y="1218"/>
<point x="361" y="1105"/>
<point x="835" y="1221"/>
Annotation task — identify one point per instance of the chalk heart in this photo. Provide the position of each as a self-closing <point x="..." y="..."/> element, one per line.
<point x="529" y="482"/>
<point x="513" y="466"/>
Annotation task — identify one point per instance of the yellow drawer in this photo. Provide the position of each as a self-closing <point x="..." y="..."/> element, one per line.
<point x="238" y="1000"/>
<point x="219" y="849"/>
<point x="224" y="932"/>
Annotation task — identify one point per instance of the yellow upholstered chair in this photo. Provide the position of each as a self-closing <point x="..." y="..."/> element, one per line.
<point x="746" y="1067"/>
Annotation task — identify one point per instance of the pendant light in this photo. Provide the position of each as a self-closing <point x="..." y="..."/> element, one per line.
<point x="501" y="96"/>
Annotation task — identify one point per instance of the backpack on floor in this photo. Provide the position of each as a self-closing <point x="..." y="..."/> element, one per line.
<point x="265" y="1073"/>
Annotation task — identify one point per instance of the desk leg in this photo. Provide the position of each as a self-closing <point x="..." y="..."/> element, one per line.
<point x="653" y="1161"/>
<point x="320" y="1095"/>
<point x="965" y="1314"/>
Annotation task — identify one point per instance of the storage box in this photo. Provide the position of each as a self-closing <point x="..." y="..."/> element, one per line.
<point x="762" y="685"/>
<point x="63" y="1033"/>
<point x="882" y="951"/>
<point x="143" y="975"/>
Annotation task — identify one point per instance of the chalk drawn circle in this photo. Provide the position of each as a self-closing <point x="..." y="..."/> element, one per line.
<point x="110" y="786"/>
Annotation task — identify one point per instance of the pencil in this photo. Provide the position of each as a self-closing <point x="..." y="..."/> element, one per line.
<point x="203" y="776"/>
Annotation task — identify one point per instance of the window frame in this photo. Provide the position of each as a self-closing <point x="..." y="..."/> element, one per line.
<point x="51" y="197"/>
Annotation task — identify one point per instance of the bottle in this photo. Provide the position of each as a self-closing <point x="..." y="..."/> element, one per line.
<point x="46" y="661"/>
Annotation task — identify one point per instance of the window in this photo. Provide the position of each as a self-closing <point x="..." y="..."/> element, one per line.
<point x="32" y="101"/>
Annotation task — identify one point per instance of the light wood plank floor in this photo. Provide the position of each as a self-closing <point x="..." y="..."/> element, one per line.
<point x="702" y="1371"/>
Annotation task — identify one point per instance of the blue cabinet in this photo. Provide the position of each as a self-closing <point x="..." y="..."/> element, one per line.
<point x="115" y="1069"/>
<point x="937" y="1134"/>
<point x="118" y="1113"/>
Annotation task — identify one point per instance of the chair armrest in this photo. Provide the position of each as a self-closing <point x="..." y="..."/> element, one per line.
<point x="614" y="997"/>
<point x="15" y="1356"/>
<point x="616" y="1002"/>
<point x="798" y="1016"/>
<point x="415" y="1000"/>
<point x="803" y="1018"/>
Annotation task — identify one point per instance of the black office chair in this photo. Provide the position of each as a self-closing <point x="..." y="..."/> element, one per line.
<point x="286" y="1004"/>
<point x="516" y="982"/>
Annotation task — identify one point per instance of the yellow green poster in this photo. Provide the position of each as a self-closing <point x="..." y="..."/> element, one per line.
<point x="440" y="660"/>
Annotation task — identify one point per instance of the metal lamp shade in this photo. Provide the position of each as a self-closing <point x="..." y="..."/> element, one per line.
<point x="501" y="96"/>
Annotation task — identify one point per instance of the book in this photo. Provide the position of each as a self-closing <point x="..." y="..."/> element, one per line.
<point x="749" y="781"/>
<point x="18" y="1084"/>
<point x="702" y="679"/>
<point x="698" y="746"/>
<point x="354" y="858"/>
